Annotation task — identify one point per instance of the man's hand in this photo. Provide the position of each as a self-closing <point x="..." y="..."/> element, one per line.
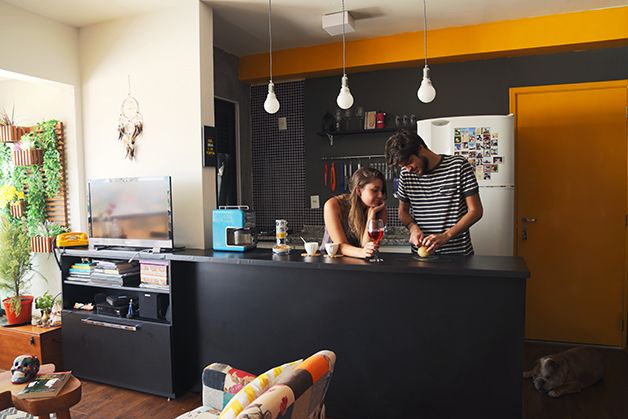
<point x="434" y="241"/>
<point x="416" y="235"/>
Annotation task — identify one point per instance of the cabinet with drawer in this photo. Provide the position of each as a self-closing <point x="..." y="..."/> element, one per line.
<point x="151" y="351"/>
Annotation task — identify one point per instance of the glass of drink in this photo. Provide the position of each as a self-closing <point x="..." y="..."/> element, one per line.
<point x="376" y="233"/>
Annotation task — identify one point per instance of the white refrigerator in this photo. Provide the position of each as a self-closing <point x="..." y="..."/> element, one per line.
<point x="487" y="141"/>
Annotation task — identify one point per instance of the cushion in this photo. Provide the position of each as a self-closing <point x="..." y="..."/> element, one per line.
<point x="254" y="389"/>
<point x="203" y="412"/>
<point x="221" y="382"/>
<point x="296" y="394"/>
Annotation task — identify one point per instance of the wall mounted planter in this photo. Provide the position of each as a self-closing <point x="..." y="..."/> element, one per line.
<point x="11" y="133"/>
<point x="28" y="157"/>
<point x="18" y="209"/>
<point x="42" y="244"/>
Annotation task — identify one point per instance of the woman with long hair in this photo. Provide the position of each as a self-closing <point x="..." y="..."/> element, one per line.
<point x="346" y="215"/>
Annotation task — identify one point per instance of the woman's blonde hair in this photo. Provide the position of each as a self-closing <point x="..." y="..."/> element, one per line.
<point x="358" y="211"/>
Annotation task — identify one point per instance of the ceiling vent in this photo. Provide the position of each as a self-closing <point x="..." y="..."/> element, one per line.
<point x="332" y="23"/>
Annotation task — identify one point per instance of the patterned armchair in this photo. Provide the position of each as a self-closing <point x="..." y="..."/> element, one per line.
<point x="291" y="391"/>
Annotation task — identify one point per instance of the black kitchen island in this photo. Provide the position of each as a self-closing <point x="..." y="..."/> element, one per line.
<point x="437" y="339"/>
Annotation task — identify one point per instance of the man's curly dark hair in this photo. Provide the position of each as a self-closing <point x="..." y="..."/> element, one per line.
<point x="401" y="145"/>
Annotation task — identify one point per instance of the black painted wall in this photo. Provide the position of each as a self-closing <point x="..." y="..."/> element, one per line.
<point x="464" y="88"/>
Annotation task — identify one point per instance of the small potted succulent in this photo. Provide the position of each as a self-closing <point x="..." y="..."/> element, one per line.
<point x="14" y="199"/>
<point x="15" y="270"/>
<point x="45" y="234"/>
<point x="45" y="303"/>
<point x="9" y="133"/>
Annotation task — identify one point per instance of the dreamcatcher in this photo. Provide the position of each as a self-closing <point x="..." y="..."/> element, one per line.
<point x="131" y="124"/>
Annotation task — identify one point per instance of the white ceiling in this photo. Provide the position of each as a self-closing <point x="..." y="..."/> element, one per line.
<point x="241" y="26"/>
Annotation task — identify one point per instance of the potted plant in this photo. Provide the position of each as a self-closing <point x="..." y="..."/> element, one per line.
<point x="9" y="133"/>
<point x="14" y="199"/>
<point x="45" y="303"/>
<point x="26" y="153"/>
<point x="45" y="234"/>
<point x="15" y="270"/>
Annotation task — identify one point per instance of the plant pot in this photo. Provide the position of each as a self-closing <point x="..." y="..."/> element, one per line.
<point x="25" y="313"/>
<point x="11" y="133"/>
<point x="42" y="244"/>
<point x="18" y="209"/>
<point x="28" y="157"/>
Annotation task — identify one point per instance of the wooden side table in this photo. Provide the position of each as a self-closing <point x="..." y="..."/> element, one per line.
<point x="32" y="340"/>
<point x="60" y="405"/>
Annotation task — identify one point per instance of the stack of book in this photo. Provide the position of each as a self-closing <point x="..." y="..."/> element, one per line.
<point x="154" y="274"/>
<point x="116" y="273"/>
<point x="44" y="385"/>
<point x="81" y="272"/>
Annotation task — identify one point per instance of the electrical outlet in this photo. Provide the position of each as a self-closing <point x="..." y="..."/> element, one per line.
<point x="283" y="123"/>
<point x="314" y="202"/>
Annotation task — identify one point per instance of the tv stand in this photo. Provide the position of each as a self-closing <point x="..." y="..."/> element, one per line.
<point x="137" y="353"/>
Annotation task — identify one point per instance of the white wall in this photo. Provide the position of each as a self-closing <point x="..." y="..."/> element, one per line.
<point x="37" y="101"/>
<point x="160" y="52"/>
<point x="44" y="55"/>
<point x="206" y="66"/>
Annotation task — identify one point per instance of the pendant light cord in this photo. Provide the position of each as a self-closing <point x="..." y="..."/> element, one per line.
<point x="344" y="59"/>
<point x="424" y="31"/>
<point x="270" y="38"/>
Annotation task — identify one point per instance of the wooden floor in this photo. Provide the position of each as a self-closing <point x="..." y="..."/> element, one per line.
<point x="606" y="400"/>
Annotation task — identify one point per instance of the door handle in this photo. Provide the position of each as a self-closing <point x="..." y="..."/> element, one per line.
<point x="111" y="325"/>
<point x="524" y="230"/>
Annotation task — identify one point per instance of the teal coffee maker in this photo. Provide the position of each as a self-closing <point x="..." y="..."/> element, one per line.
<point x="234" y="228"/>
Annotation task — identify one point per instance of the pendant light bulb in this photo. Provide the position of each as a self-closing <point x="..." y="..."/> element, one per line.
<point x="426" y="92"/>
<point x="271" y="104"/>
<point x="344" y="100"/>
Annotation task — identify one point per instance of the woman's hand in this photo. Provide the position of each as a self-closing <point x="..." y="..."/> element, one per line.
<point x="369" y="249"/>
<point x="373" y="211"/>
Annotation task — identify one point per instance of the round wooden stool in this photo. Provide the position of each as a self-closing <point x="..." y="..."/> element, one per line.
<point x="60" y="405"/>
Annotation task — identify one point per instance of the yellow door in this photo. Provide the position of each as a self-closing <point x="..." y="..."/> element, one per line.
<point x="571" y="200"/>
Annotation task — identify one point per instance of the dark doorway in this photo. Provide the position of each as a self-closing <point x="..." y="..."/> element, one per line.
<point x="226" y="167"/>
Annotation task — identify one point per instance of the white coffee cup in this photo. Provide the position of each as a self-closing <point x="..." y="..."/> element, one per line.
<point x="332" y="248"/>
<point x="311" y="248"/>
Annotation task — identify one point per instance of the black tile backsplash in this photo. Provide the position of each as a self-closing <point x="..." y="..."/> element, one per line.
<point x="278" y="161"/>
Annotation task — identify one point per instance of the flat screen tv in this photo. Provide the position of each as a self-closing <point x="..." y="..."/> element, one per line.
<point x="131" y="212"/>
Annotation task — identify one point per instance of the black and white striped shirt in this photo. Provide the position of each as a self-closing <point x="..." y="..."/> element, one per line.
<point x="437" y="200"/>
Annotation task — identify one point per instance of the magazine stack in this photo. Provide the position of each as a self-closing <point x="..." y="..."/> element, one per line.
<point x="116" y="273"/>
<point x="154" y="274"/>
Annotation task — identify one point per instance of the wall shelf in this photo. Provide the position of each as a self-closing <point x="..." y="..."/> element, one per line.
<point x="331" y="134"/>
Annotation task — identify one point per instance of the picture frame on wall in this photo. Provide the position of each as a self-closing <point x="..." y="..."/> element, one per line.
<point x="209" y="146"/>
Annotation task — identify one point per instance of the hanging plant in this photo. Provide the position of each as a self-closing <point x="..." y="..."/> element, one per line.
<point x="39" y="181"/>
<point x="36" y="200"/>
<point x="44" y="137"/>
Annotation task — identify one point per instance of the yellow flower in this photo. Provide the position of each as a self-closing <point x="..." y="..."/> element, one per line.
<point x="9" y="194"/>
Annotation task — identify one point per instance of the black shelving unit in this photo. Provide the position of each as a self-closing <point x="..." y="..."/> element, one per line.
<point x="331" y="134"/>
<point x="136" y="353"/>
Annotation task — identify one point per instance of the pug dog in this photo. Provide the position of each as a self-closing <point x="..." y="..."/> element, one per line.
<point x="566" y="372"/>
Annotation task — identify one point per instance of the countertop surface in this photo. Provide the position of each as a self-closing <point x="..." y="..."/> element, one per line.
<point x="395" y="236"/>
<point x="495" y="266"/>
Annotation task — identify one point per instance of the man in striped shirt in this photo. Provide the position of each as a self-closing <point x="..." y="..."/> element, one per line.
<point x="438" y="195"/>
